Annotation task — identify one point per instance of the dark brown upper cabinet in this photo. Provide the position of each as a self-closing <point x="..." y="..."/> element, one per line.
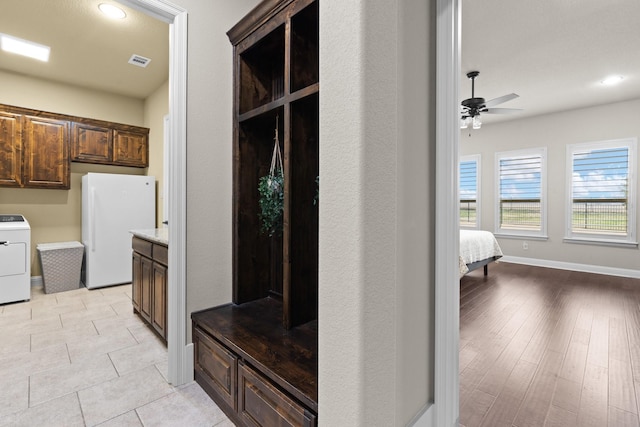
<point x="36" y="147"/>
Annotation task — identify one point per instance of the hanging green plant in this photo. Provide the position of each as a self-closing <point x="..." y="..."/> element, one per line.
<point x="271" y="191"/>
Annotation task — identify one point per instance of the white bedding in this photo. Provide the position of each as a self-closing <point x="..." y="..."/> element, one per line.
<point x="477" y="245"/>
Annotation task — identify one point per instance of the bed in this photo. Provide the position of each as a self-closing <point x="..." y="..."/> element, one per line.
<point x="477" y="249"/>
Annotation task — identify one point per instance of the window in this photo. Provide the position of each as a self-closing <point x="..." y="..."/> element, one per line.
<point x="601" y="202"/>
<point x="521" y="195"/>
<point x="469" y="191"/>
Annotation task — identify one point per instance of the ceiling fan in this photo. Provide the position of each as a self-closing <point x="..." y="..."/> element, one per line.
<point x="472" y="107"/>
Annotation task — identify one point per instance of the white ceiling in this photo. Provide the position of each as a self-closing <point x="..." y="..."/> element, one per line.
<point x="553" y="53"/>
<point x="88" y="49"/>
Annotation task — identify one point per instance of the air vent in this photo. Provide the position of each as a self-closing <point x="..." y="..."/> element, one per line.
<point x="138" y="60"/>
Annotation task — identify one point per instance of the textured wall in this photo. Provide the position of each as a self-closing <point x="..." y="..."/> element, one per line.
<point x="376" y="142"/>
<point x="209" y="150"/>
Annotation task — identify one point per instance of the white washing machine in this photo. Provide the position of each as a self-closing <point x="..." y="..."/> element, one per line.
<point x="15" y="258"/>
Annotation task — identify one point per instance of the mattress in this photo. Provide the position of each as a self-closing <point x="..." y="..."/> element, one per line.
<point x="477" y="245"/>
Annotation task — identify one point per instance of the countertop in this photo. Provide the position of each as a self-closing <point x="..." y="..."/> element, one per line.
<point x="156" y="235"/>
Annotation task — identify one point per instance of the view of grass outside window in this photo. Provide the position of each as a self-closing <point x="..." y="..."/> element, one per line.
<point x="600" y="189"/>
<point x="521" y="186"/>
<point x="469" y="166"/>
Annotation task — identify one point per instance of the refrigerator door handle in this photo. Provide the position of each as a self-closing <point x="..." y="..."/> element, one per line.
<point x="92" y="222"/>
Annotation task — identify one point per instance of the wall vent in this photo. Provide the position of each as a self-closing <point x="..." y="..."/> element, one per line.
<point x="138" y="60"/>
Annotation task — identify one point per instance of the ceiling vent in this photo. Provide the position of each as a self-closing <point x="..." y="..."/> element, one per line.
<point x="138" y="60"/>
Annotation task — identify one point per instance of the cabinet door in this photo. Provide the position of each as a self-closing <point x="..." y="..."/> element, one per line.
<point x="215" y="368"/>
<point x="130" y="148"/>
<point x="136" y="281"/>
<point x="46" y="153"/>
<point x="146" y="279"/>
<point x="159" y="311"/>
<point x="91" y="144"/>
<point x="262" y="404"/>
<point x="10" y="149"/>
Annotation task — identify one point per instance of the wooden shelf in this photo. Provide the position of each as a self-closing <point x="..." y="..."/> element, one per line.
<point x="277" y="75"/>
<point x="310" y="90"/>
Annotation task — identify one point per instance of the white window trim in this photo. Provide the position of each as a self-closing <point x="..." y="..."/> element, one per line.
<point x="604" y="239"/>
<point x="474" y="158"/>
<point x="504" y="232"/>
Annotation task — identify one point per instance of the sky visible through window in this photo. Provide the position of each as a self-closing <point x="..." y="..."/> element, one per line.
<point x="520" y="178"/>
<point x="468" y="180"/>
<point x="597" y="174"/>
<point x="600" y="174"/>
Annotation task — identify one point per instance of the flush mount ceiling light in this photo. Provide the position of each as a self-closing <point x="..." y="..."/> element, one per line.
<point x="24" y="47"/>
<point x="112" y="11"/>
<point x="612" y="80"/>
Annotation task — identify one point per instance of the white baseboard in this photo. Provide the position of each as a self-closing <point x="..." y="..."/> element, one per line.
<point x="36" y="281"/>
<point x="187" y="365"/>
<point x="424" y="418"/>
<point x="586" y="268"/>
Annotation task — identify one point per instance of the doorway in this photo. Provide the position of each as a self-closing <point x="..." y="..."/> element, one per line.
<point x="180" y="354"/>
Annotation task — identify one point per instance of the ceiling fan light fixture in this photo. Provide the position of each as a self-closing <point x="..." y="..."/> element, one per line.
<point x="475" y="106"/>
<point x="477" y="123"/>
<point x="112" y="11"/>
<point x="464" y="122"/>
<point x="612" y="80"/>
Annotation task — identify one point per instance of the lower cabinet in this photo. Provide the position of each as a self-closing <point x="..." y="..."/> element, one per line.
<point x="260" y="403"/>
<point x="149" y="283"/>
<point x="232" y="366"/>
<point x="217" y="367"/>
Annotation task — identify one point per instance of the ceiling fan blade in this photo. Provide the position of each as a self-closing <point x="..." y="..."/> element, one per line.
<point x="500" y="100"/>
<point x="501" y="110"/>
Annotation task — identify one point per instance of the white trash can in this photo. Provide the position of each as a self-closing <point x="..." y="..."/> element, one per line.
<point x="61" y="265"/>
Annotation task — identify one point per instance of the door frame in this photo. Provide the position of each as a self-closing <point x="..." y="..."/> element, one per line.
<point x="445" y="410"/>
<point x="180" y="353"/>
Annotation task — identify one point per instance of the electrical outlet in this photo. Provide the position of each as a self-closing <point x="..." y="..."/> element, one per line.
<point x="525" y="245"/>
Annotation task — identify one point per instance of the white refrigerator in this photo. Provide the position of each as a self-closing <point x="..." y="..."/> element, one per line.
<point x="112" y="206"/>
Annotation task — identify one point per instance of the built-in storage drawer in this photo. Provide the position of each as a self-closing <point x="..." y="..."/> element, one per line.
<point x="262" y="404"/>
<point x="217" y="367"/>
<point x="143" y="247"/>
<point x="161" y="254"/>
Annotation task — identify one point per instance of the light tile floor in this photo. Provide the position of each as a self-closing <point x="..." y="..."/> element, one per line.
<point x="82" y="358"/>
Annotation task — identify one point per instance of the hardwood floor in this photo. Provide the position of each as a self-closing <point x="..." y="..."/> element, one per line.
<point x="547" y="347"/>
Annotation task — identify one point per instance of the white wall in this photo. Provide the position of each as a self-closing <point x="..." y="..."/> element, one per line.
<point x="156" y="106"/>
<point x="376" y="221"/>
<point x="555" y="131"/>
<point x="38" y="94"/>
<point x="209" y="150"/>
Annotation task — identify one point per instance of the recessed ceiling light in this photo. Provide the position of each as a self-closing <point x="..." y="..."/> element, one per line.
<point x="612" y="80"/>
<point x="24" y="47"/>
<point x="112" y="11"/>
